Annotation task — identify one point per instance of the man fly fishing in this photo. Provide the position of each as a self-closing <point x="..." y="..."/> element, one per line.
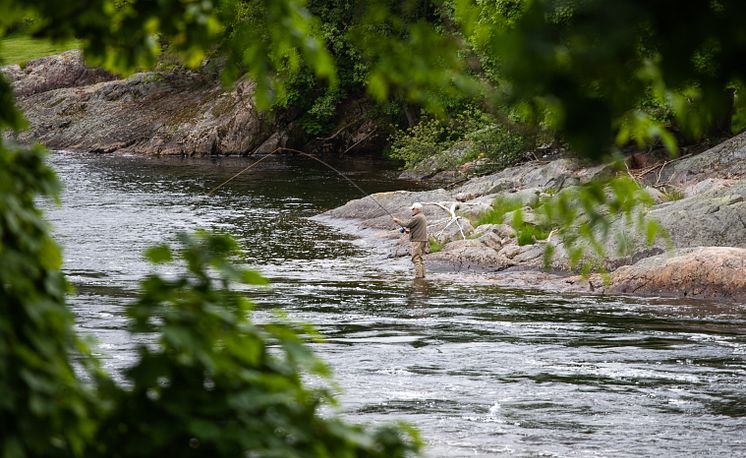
<point x="417" y="226"/>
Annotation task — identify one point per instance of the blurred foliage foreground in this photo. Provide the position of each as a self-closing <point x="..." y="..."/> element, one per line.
<point x="210" y="382"/>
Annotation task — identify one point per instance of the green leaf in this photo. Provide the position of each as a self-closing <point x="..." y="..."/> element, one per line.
<point x="251" y="277"/>
<point x="159" y="254"/>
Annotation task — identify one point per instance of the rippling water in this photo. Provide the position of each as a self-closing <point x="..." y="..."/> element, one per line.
<point x="481" y="371"/>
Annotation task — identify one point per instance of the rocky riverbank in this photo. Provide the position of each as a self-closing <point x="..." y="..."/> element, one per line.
<point x="179" y="112"/>
<point x="703" y="209"/>
<point x="167" y="112"/>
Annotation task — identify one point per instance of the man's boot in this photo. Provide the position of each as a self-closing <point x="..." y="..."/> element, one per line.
<point x="419" y="271"/>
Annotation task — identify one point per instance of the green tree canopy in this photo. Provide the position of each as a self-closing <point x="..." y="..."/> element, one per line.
<point x="589" y="69"/>
<point x="592" y="65"/>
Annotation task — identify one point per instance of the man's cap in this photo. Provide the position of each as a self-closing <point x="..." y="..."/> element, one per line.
<point x="416" y="205"/>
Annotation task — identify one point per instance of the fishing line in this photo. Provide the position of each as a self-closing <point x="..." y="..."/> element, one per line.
<point x="315" y="159"/>
<point x="239" y="173"/>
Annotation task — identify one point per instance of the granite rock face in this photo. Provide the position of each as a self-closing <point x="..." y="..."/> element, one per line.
<point x="66" y="70"/>
<point x="704" y="257"/>
<point x="725" y="161"/>
<point x="176" y="112"/>
<point x="714" y="218"/>
<point x="373" y="209"/>
<point x="700" y="273"/>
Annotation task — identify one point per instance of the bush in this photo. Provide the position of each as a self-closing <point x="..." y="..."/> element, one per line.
<point x="432" y="136"/>
<point x="502" y="145"/>
<point x="219" y="385"/>
<point x="526" y="233"/>
<point x="425" y="139"/>
<point x="672" y="193"/>
<point x="319" y="119"/>
<point x="435" y="245"/>
<point x="478" y="134"/>
<point x="500" y="207"/>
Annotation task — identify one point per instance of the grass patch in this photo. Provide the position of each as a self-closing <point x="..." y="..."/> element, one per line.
<point x="671" y="194"/>
<point x="527" y="234"/>
<point x="500" y="207"/>
<point x="21" y="49"/>
<point x="435" y="245"/>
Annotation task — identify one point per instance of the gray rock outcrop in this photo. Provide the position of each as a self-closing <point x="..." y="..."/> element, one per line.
<point x="180" y="112"/>
<point x="713" y="218"/>
<point x="66" y="70"/>
<point x="373" y="209"/>
<point x="175" y="112"/>
<point x="707" y="227"/>
<point x="725" y="161"/>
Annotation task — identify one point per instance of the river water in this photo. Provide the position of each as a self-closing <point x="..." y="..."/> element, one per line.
<point x="481" y="371"/>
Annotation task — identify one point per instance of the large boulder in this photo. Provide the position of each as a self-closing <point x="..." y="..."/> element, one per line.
<point x="702" y="273"/>
<point x="180" y="113"/>
<point x="379" y="205"/>
<point x="66" y="70"/>
<point x="557" y="174"/>
<point x="715" y="218"/>
<point x="466" y="255"/>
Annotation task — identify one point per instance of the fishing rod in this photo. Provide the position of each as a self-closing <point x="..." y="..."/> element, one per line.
<point x="293" y="150"/>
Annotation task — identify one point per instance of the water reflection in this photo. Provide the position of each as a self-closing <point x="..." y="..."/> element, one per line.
<point x="419" y="294"/>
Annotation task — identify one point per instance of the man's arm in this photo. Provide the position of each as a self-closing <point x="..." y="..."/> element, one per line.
<point x="408" y="224"/>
